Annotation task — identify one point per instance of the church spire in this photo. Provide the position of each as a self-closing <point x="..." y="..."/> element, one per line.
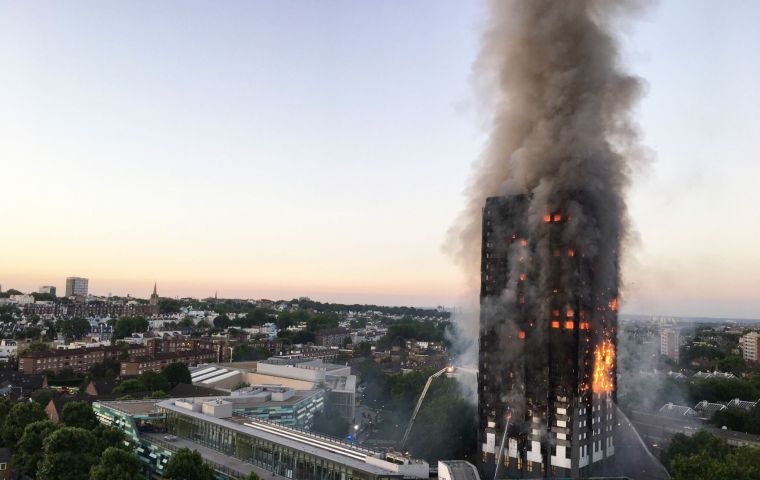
<point x="155" y="284"/>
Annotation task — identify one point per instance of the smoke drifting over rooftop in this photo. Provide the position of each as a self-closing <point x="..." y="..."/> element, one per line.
<point x="560" y="124"/>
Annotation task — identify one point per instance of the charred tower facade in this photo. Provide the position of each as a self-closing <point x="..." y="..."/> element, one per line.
<point x="548" y="325"/>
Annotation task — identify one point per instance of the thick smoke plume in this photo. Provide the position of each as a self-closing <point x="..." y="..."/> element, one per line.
<point x="559" y="105"/>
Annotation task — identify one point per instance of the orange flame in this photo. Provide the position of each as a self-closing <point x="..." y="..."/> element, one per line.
<point x="614" y="304"/>
<point x="604" y="362"/>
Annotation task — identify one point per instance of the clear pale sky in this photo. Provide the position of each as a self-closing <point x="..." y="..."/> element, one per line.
<point x="282" y="148"/>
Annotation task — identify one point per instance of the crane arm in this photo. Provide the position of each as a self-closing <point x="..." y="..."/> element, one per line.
<point x="419" y="404"/>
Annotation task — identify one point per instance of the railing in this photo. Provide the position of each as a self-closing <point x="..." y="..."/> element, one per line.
<point x="309" y="433"/>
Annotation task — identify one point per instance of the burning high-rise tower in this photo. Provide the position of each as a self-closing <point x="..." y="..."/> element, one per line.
<point x="547" y="342"/>
<point x="547" y="198"/>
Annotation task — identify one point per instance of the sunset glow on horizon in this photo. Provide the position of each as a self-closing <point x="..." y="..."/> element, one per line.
<point x="255" y="152"/>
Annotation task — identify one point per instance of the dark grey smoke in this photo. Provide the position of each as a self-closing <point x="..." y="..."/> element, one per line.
<point x="560" y="117"/>
<point x="559" y="105"/>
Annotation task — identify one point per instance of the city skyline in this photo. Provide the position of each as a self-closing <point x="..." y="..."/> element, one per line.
<point x="183" y="150"/>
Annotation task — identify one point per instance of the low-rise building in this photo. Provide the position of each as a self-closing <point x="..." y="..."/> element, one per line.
<point x="19" y="385"/>
<point x="294" y="373"/>
<point x="8" y="349"/>
<point x="22" y="299"/>
<point x="79" y="360"/>
<point x="331" y="337"/>
<point x="707" y="409"/>
<point x="155" y="363"/>
<point x="673" y="410"/>
<point x="742" y="404"/>
<point x="6" y="472"/>
<point x="235" y="445"/>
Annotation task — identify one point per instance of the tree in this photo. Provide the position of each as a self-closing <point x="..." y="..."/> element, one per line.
<point x="684" y="446"/>
<point x="68" y="454"/>
<point x="75" y="328"/>
<point x="364" y="349"/>
<point x="302" y="336"/>
<point x="700" y="466"/>
<point x="154" y="381"/>
<point x="169" y="305"/>
<point x="38" y="347"/>
<point x="21" y="415"/>
<point x="131" y="385"/>
<point x="43" y="297"/>
<point x="79" y="414"/>
<point x="28" y="452"/>
<point x="247" y="353"/>
<point x="108" y="437"/>
<point x="108" y="369"/>
<point x="322" y="320"/>
<point x="176" y="373"/>
<point x="117" y="464"/>
<point x="742" y="463"/>
<point x="186" y="464"/>
<point x="222" y="321"/>
<point x="43" y="396"/>
<point x="126" y="326"/>
<point x="446" y="426"/>
<point x="252" y="476"/>
<point x="5" y="407"/>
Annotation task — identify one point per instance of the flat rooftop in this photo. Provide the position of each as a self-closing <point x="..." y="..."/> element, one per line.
<point x="133" y="407"/>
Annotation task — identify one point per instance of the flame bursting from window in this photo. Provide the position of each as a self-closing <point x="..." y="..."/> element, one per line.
<point x="604" y="362"/>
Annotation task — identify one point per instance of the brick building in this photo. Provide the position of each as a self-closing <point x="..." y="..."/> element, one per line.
<point x="154" y="363"/>
<point x="78" y="359"/>
<point x="331" y="337"/>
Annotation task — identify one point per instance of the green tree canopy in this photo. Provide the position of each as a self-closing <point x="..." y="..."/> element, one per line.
<point x="186" y="464"/>
<point x="154" y="381"/>
<point x="126" y="326"/>
<point x="117" y="464"/>
<point x="28" y="452"/>
<point x="38" y="347"/>
<point x="177" y="372"/>
<point x="132" y="385"/>
<point x="74" y="328"/>
<point x="169" y="305"/>
<point x="247" y="353"/>
<point x="742" y="463"/>
<point x="43" y="396"/>
<point x="19" y="416"/>
<point x="222" y="321"/>
<point x="5" y="407"/>
<point x="108" y="369"/>
<point x="79" y="414"/>
<point x="107" y="437"/>
<point x="68" y="454"/>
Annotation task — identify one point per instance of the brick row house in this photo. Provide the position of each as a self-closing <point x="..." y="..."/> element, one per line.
<point x="78" y="359"/>
<point x="154" y="363"/>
